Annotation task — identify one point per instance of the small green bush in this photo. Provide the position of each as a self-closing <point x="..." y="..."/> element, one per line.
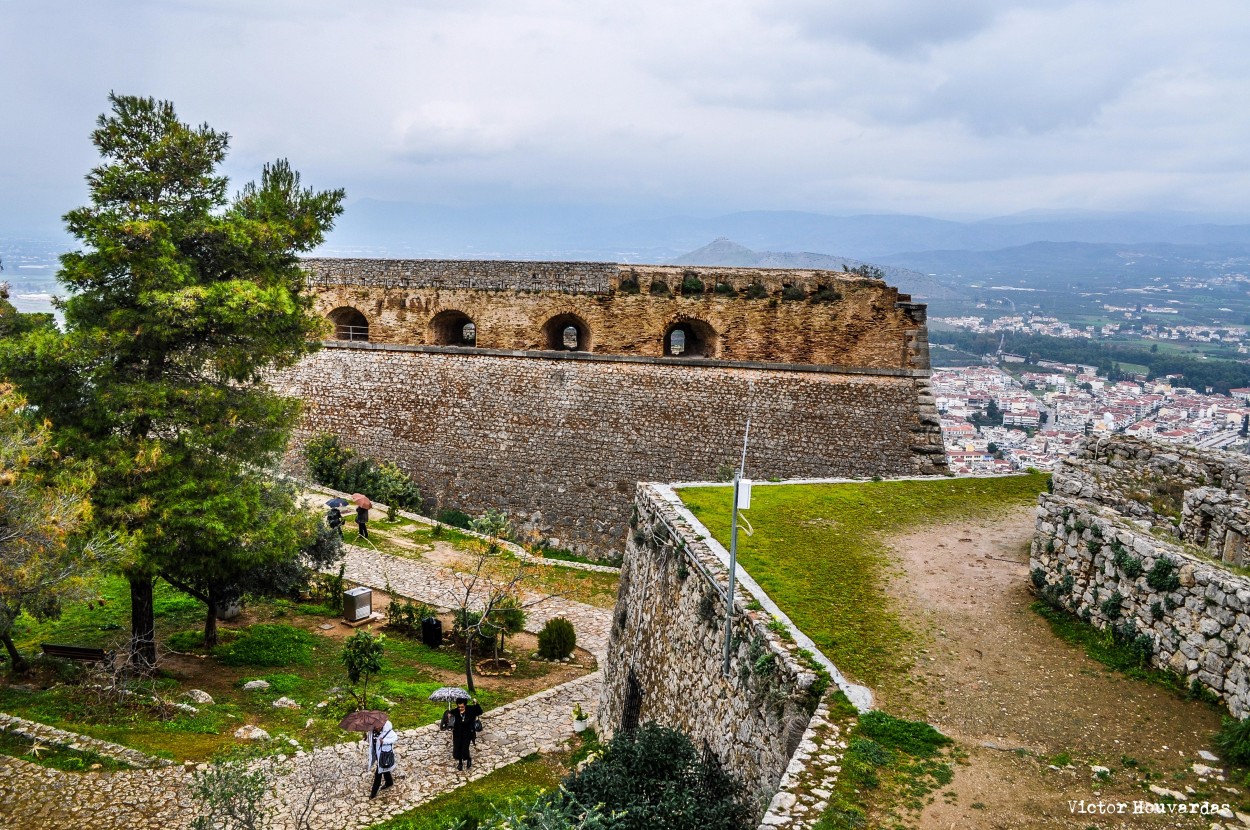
<point x="826" y="294"/>
<point x="406" y="615"/>
<point x="454" y="517"/>
<point x="628" y="285"/>
<point x="725" y="289"/>
<point x="557" y="639"/>
<point x="1233" y="741"/>
<point x="268" y="644"/>
<point x="660" y="288"/>
<point x="1163" y="575"/>
<point x="691" y="284"/>
<point x="1127" y="562"/>
<point x="792" y="293"/>
<point x="756" y="291"/>
<point x="1111" y="606"/>
<point x="333" y="465"/>
<point x="1039" y="578"/>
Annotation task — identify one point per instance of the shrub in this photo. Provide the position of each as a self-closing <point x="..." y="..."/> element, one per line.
<point x="654" y="777"/>
<point x="691" y="284"/>
<point x="792" y="293"/>
<point x="756" y="291"/>
<point x="186" y="640"/>
<point x="268" y="644"/>
<point x="333" y="465"/>
<point x="826" y="294"/>
<point x="1039" y="578"/>
<point x="557" y="639"/>
<point x="725" y="289"/>
<point x="362" y="659"/>
<point x="707" y="609"/>
<point x="1233" y="741"/>
<point x="1162" y="576"/>
<point x="406" y="615"/>
<point x="1111" y="606"/>
<point x="660" y="288"/>
<point x="454" y="517"/>
<point x="1127" y="562"/>
<point x="628" y="285"/>
<point x="464" y="621"/>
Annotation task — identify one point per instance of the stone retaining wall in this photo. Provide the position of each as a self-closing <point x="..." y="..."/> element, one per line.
<point x="665" y="656"/>
<point x="559" y="443"/>
<point x="1135" y="538"/>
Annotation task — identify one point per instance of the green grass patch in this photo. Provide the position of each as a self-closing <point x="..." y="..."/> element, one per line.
<point x="1102" y="646"/>
<point x="819" y="552"/>
<point x="268" y="645"/>
<point x="890" y="767"/>
<point x="474" y="804"/>
<point x="56" y="757"/>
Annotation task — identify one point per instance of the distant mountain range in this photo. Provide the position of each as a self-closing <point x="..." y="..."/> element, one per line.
<point x="723" y="251"/>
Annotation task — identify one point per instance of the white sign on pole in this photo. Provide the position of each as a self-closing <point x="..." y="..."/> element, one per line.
<point x="744" y="494"/>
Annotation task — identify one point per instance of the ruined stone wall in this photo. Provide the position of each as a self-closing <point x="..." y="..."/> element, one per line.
<point x="1112" y="573"/>
<point x="559" y="440"/>
<point x="752" y="314"/>
<point x="665" y="657"/>
<point x="1137" y="537"/>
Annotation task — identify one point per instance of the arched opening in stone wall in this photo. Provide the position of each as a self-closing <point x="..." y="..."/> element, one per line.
<point x="567" y="333"/>
<point x="631" y="707"/>
<point x="690" y="338"/>
<point x="349" y="324"/>
<point x="453" y="328"/>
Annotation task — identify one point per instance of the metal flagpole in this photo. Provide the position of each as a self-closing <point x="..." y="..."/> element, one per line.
<point x="733" y="550"/>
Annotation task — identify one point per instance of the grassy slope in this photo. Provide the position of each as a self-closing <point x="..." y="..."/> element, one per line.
<point x="818" y="552"/>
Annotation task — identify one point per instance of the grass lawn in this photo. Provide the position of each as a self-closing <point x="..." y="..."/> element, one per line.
<point x="818" y="551"/>
<point x="469" y="806"/>
<point x="277" y="640"/>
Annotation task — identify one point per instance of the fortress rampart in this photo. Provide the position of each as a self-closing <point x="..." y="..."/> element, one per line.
<point x="549" y="389"/>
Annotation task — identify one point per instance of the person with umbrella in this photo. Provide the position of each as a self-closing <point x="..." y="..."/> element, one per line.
<point x="464" y="731"/>
<point x="379" y="740"/>
<point x="333" y="517"/>
<point x="362" y="514"/>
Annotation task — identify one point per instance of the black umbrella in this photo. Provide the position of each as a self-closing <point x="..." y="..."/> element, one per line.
<point x="337" y="502"/>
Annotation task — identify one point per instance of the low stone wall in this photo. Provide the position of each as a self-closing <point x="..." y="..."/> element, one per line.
<point x="1191" y="615"/>
<point x="665" y="656"/>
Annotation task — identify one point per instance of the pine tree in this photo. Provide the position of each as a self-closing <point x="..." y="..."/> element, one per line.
<point x="181" y="299"/>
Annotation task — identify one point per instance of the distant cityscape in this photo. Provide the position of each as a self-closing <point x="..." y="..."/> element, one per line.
<point x="1050" y="326"/>
<point x="997" y="420"/>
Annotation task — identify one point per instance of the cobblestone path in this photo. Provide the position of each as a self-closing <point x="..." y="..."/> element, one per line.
<point x="329" y="785"/>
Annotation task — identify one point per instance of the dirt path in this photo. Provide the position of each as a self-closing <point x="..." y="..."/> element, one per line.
<point x="990" y="674"/>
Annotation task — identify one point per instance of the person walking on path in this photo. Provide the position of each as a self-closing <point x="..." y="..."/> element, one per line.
<point x="362" y="521"/>
<point x="335" y="520"/>
<point x="464" y="730"/>
<point x="381" y="749"/>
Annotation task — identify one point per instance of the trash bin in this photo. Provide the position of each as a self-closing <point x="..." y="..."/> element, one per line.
<point x="432" y="632"/>
<point x="357" y="604"/>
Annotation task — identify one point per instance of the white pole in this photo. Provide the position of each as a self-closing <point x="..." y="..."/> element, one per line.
<point x="733" y="567"/>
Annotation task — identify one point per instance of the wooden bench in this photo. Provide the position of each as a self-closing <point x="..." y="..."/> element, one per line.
<point x="79" y="653"/>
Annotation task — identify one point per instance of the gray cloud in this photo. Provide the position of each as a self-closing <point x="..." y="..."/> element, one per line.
<point x="968" y="106"/>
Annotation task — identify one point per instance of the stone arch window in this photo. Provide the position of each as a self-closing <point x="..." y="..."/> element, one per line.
<point x="690" y="338"/>
<point x="567" y="333"/>
<point x="349" y="324"/>
<point x="453" y="328"/>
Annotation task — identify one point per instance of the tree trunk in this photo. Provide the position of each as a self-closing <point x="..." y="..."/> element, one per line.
<point x="17" y="663"/>
<point x="468" y="662"/>
<point x="210" y="622"/>
<point x="142" y="624"/>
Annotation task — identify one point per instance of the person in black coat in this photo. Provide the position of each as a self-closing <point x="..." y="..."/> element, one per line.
<point x="464" y="730"/>
<point x="335" y="520"/>
<point x="362" y="519"/>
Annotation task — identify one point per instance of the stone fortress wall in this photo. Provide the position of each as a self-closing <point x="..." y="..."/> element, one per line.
<point x="509" y="413"/>
<point x="665" y="661"/>
<point x="1149" y="540"/>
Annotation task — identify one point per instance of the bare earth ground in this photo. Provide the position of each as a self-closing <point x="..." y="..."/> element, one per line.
<point x="990" y="674"/>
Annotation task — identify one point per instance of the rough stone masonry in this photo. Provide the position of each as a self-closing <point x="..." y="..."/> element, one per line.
<point x="1148" y="541"/>
<point x="549" y="389"/>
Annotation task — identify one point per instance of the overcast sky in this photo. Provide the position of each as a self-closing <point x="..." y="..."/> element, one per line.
<point x="940" y="107"/>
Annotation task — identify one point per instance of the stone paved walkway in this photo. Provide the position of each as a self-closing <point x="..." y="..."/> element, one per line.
<point x="332" y="779"/>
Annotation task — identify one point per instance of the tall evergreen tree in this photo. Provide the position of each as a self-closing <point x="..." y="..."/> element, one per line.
<point x="181" y="299"/>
